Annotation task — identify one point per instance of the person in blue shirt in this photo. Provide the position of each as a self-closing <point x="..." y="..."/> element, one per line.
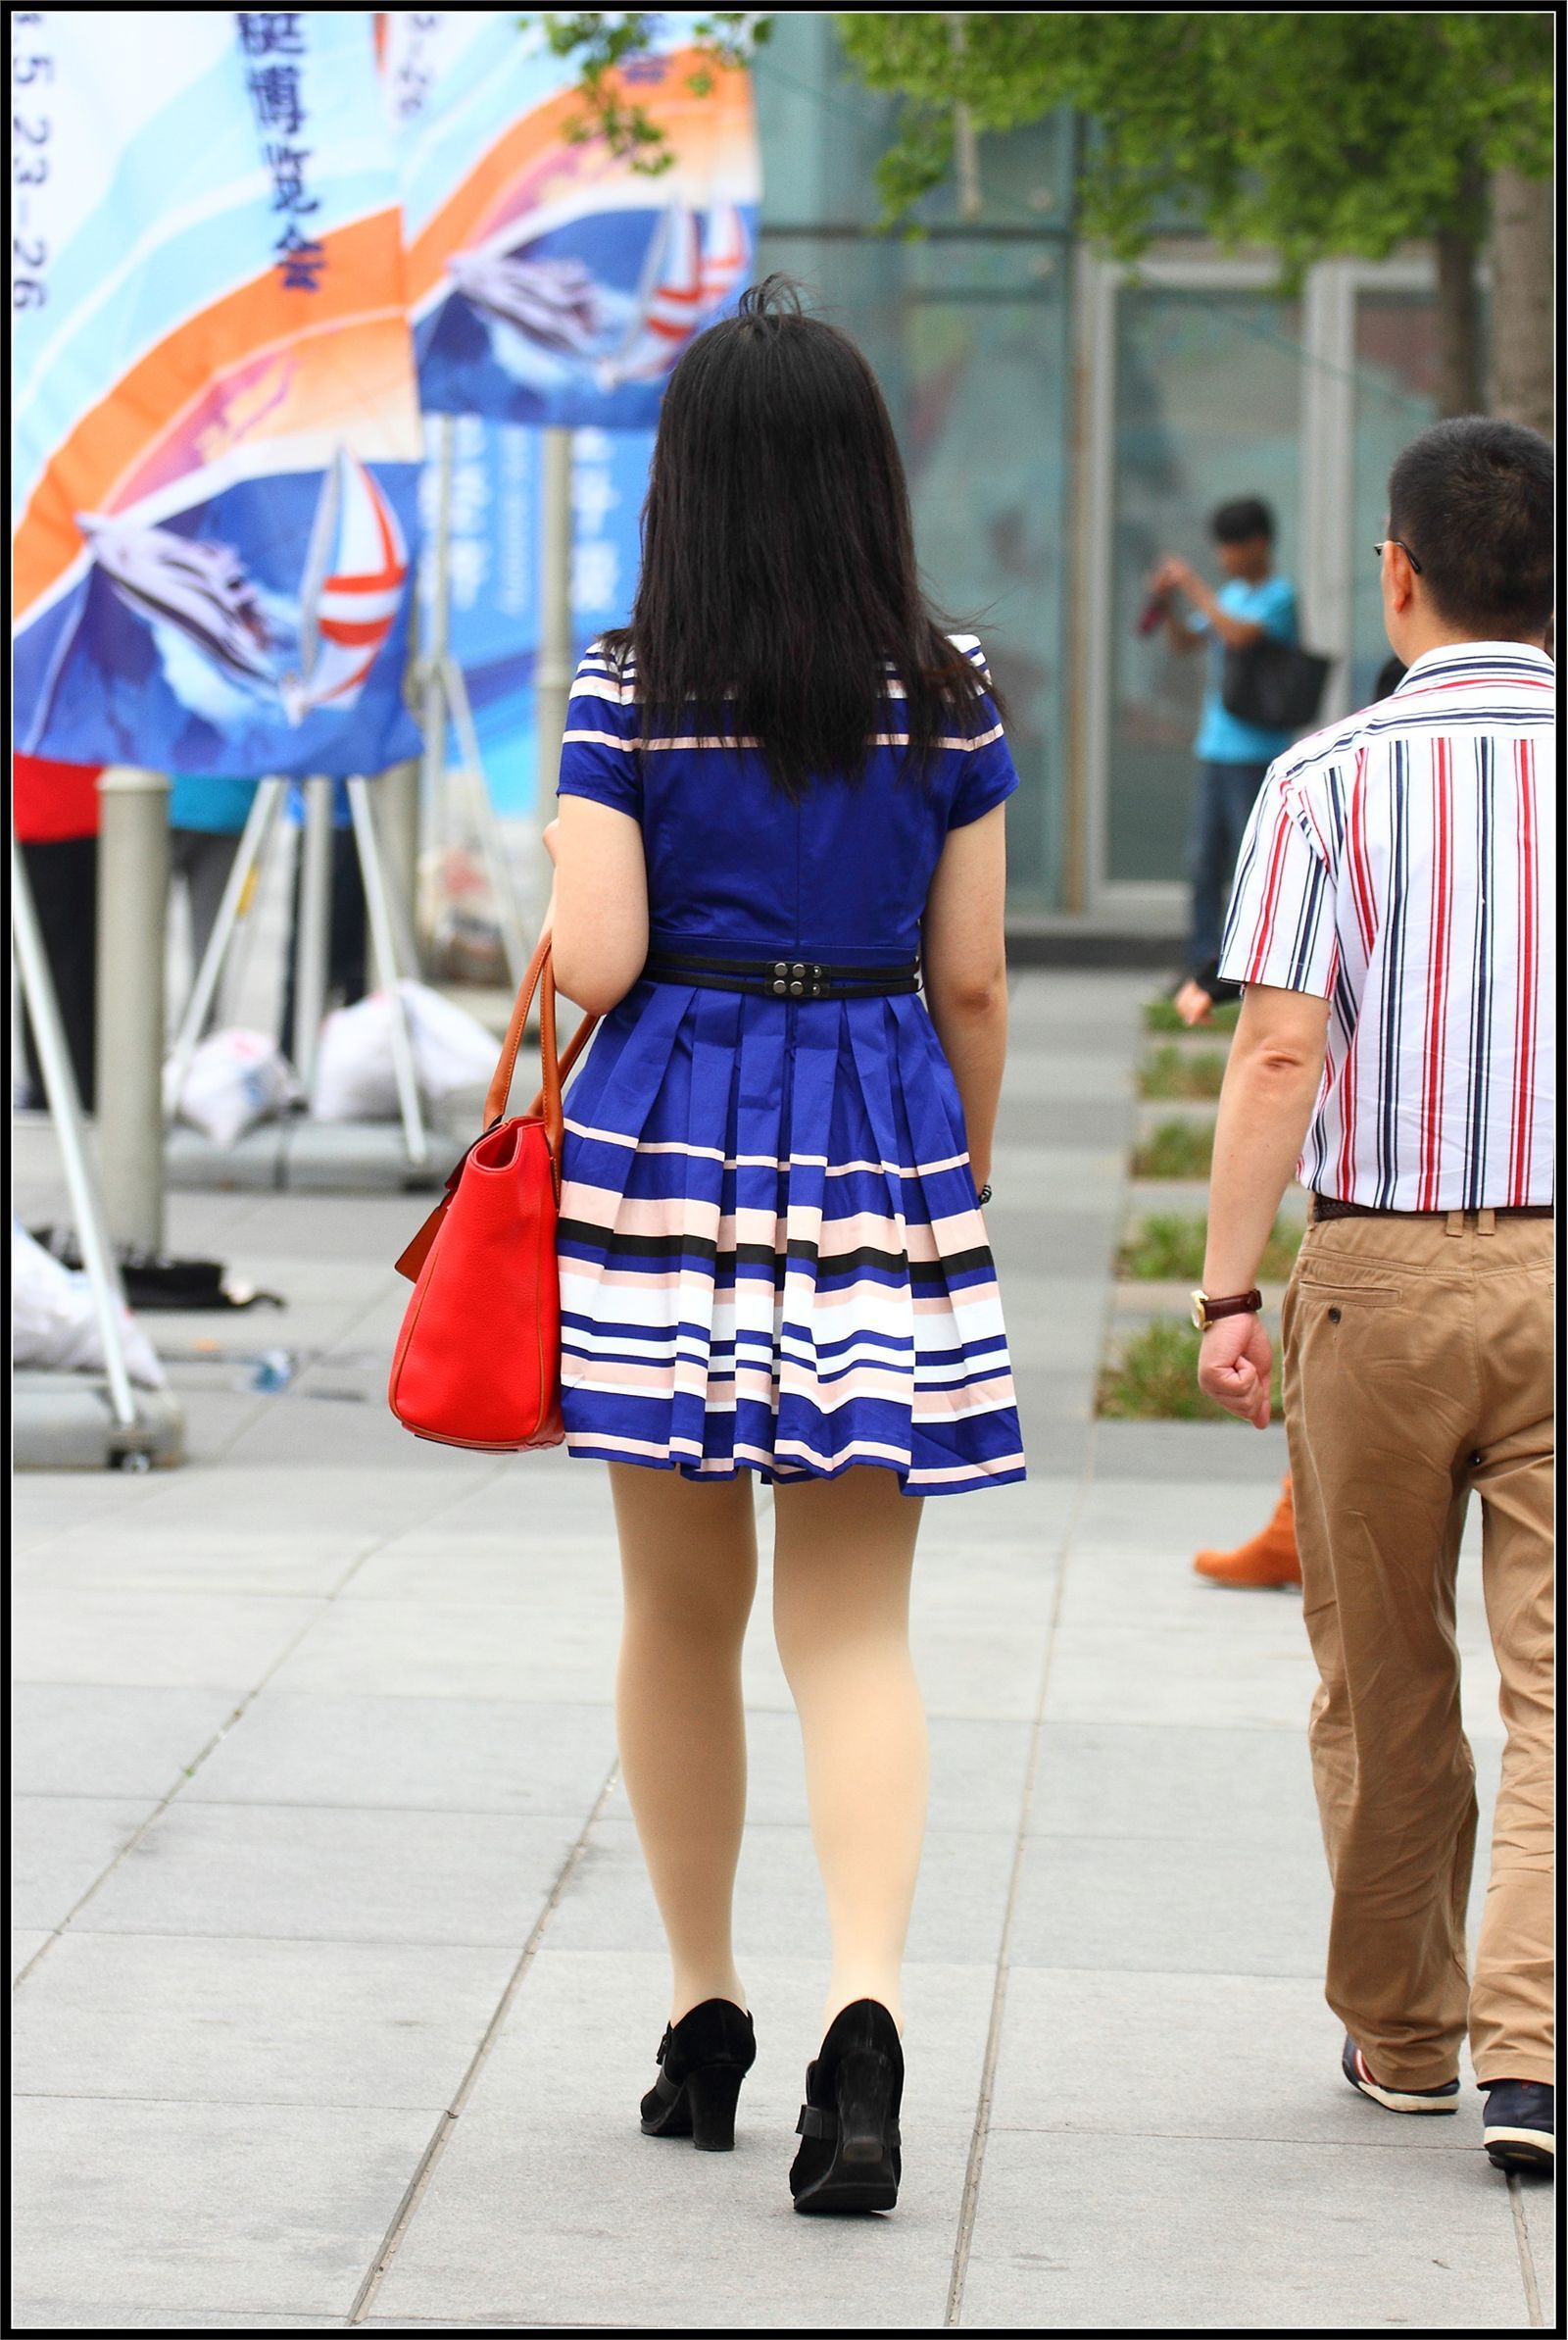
<point x="1253" y="601"/>
<point x="207" y="814"/>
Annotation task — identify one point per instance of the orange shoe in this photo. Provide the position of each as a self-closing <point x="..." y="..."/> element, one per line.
<point x="1270" y="1559"/>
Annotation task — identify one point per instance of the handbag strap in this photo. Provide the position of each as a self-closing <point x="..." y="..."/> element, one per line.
<point x="546" y="1106"/>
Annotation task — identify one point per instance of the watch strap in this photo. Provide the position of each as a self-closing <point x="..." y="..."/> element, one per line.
<point x="1238" y="1304"/>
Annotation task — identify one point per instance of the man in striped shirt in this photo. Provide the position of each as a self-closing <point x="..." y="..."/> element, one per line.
<point x="1393" y="926"/>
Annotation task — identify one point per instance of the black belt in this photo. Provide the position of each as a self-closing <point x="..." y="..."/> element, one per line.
<point x="784" y="979"/>
<point x="1326" y="1205"/>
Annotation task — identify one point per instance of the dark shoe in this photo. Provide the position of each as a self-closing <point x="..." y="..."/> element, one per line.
<point x="702" y="2062"/>
<point x="1520" y="2131"/>
<point x="1396" y="2100"/>
<point x="848" y="2127"/>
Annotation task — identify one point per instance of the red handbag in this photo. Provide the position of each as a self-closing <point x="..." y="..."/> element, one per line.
<point x="478" y="1359"/>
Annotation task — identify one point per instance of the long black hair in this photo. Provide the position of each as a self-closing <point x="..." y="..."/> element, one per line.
<point x="778" y="571"/>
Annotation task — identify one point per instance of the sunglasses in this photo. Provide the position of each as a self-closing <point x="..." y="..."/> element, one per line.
<point x="1404" y="547"/>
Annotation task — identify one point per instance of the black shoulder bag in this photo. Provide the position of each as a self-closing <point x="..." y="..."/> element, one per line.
<point x="1273" y="685"/>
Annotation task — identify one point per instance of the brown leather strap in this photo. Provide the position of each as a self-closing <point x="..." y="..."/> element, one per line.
<point x="540" y="976"/>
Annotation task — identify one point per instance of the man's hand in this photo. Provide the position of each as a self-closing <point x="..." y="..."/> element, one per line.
<point x="1192" y="1004"/>
<point x="1172" y="570"/>
<point x="1234" y="1365"/>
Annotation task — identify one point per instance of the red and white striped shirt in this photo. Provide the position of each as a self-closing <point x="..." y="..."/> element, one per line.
<point x="1400" y="865"/>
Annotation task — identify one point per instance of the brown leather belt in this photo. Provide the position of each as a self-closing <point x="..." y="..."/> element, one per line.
<point x="1325" y="1205"/>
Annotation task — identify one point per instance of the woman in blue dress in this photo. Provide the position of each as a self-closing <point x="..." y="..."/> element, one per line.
<point x="781" y="810"/>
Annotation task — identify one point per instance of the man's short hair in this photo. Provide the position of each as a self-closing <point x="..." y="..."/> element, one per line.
<point x="1472" y="501"/>
<point x="1242" y="521"/>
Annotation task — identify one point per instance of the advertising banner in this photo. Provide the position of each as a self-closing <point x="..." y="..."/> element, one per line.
<point x="216" y="431"/>
<point x="549" y="282"/>
<point x="492" y="569"/>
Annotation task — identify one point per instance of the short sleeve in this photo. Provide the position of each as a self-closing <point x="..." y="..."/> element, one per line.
<point x="1280" y="931"/>
<point x="599" y="747"/>
<point x="987" y="776"/>
<point x="1274" y="608"/>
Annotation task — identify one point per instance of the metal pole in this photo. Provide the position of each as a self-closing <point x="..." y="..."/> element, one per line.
<point x="65" y="1108"/>
<point x="375" y="901"/>
<point x="397" y="804"/>
<point x="554" y="671"/>
<point x="434" y="652"/>
<point x="313" y="940"/>
<point x="492" y="851"/>
<point x="253" y="838"/>
<point x="133" y="936"/>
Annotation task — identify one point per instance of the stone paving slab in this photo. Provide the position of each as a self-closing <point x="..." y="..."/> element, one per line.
<point x="62" y="1845"/>
<point x="295" y="1871"/>
<point x="1245" y="2237"/>
<point x="411" y="1755"/>
<point x="290" y="2208"/>
<point x="164" y="1640"/>
<point x="1234" y="2056"/>
<point x="255" y="2022"/>
<point x="99" y="1739"/>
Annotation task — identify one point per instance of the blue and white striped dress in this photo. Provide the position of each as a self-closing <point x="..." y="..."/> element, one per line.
<point x="772" y="1256"/>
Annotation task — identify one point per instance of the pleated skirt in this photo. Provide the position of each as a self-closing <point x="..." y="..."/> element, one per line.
<point x="770" y="1253"/>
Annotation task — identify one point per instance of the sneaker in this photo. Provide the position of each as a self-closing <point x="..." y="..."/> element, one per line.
<point x="1519" y="2131"/>
<point x="1396" y="2100"/>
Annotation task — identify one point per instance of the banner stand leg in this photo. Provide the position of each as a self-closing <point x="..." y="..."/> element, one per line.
<point x="381" y="938"/>
<point x="64" y="1108"/>
<point x="314" y="939"/>
<point x="265" y="805"/>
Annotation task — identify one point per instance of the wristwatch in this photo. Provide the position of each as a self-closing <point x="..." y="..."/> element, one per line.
<point x="1207" y="1312"/>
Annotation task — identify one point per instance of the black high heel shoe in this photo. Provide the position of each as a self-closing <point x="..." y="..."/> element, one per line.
<point x="848" y="2127"/>
<point x="702" y="2062"/>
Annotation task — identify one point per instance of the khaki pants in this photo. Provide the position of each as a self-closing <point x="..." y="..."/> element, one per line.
<point x="1418" y="1365"/>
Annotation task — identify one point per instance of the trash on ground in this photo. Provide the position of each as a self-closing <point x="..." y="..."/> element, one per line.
<point x="235" y="1081"/>
<point x="54" y="1318"/>
<point x="454" y="1055"/>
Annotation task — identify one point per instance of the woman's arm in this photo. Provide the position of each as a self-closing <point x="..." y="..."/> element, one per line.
<point x="967" y="972"/>
<point x="598" y="916"/>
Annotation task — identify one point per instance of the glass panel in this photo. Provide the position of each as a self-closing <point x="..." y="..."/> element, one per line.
<point x="1395" y="396"/>
<point x="1208" y="395"/>
<point x="969" y="340"/>
<point x="823" y="133"/>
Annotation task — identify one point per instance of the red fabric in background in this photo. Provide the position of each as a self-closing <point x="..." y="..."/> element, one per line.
<point x="50" y="802"/>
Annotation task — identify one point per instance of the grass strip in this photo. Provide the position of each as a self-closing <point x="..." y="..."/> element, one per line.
<point x="1154" y="1377"/>
<point x="1169" y="1248"/>
<point x="1175" y="1150"/>
<point x="1182" y="1073"/>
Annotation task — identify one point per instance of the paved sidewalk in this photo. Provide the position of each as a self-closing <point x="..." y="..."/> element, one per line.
<point x="340" y="1980"/>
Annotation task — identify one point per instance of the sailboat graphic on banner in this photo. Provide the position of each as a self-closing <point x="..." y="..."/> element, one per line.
<point x="726" y="256"/>
<point x="351" y="590"/>
<point x="670" y="304"/>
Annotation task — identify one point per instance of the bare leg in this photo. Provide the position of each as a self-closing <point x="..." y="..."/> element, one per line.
<point x="843" y="1553"/>
<point x="688" y="1557"/>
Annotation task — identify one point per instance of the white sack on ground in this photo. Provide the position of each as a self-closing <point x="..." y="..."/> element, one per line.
<point x="453" y="1055"/>
<point x="235" y="1081"/>
<point x="54" y="1320"/>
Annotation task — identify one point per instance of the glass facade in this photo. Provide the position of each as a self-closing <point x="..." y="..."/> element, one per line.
<point x="1023" y="404"/>
<point x="1395" y="396"/>
<point x="1207" y="406"/>
<point x="968" y="327"/>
